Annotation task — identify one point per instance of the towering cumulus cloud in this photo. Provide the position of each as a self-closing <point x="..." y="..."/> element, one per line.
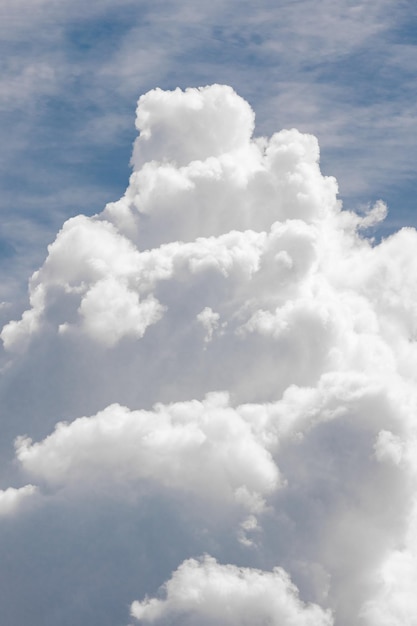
<point x="212" y="395"/>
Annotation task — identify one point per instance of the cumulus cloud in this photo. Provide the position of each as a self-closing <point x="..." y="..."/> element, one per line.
<point x="205" y="592"/>
<point x="210" y="321"/>
<point x="204" y="448"/>
<point x="11" y="499"/>
<point x="181" y="127"/>
<point x="224" y="341"/>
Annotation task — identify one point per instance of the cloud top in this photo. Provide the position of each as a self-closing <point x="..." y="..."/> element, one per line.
<point x="192" y="125"/>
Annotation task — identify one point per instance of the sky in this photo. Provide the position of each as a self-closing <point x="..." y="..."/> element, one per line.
<point x="208" y="313"/>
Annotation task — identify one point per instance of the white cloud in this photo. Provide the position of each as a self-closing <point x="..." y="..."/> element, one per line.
<point x="210" y="322"/>
<point x="11" y="499"/>
<point x="205" y="448"/>
<point x="239" y="185"/>
<point x="112" y="311"/>
<point x="208" y="122"/>
<point x="95" y="264"/>
<point x="229" y="264"/>
<point x="205" y="592"/>
<point x="395" y="603"/>
<point x="388" y="447"/>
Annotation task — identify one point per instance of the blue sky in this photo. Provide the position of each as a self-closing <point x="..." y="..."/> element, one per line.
<point x="71" y="76"/>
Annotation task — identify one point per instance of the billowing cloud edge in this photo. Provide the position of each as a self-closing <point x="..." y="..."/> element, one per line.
<point x="206" y="592"/>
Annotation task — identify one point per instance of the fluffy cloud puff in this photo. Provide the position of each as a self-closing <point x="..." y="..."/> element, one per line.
<point x="11" y="499"/>
<point x="193" y="125"/>
<point x="228" y="290"/>
<point x="205" y="592"/>
<point x="201" y="447"/>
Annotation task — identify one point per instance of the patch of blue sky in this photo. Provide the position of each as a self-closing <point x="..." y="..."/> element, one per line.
<point x="400" y="197"/>
<point x="7" y="250"/>
<point x="367" y="76"/>
<point x="96" y="37"/>
<point x="405" y="30"/>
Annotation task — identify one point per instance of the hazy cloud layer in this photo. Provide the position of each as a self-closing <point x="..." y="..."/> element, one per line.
<point x="219" y="363"/>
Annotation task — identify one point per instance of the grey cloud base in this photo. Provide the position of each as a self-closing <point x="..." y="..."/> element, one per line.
<point x="223" y="359"/>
